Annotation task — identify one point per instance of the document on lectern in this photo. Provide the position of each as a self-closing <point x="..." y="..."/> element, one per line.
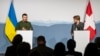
<point x="27" y="36"/>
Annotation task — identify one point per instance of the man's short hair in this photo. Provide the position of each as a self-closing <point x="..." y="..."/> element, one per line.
<point x="24" y="14"/>
<point x="77" y="17"/>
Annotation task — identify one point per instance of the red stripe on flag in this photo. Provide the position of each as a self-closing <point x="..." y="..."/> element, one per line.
<point x="89" y="9"/>
<point x="92" y="32"/>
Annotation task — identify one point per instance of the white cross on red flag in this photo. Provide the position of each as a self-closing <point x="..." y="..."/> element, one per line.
<point x="89" y="23"/>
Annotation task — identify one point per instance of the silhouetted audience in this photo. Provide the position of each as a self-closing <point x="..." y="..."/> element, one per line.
<point x="71" y="44"/>
<point x="41" y="49"/>
<point x="91" y="50"/>
<point x="59" y="49"/>
<point x="11" y="50"/>
<point x="97" y="42"/>
<point x="23" y="49"/>
<point x="19" y="48"/>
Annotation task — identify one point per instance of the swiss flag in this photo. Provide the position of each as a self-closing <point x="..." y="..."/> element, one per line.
<point x="89" y="23"/>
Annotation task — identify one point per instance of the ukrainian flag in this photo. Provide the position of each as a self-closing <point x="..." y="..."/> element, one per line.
<point x="11" y="23"/>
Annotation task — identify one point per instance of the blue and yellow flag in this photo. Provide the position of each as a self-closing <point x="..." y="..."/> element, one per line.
<point x="11" y="23"/>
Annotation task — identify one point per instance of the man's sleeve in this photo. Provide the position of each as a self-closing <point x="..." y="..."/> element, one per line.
<point x="18" y="27"/>
<point x="31" y="28"/>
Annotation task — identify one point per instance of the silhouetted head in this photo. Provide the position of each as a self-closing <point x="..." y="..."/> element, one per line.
<point x="97" y="42"/>
<point x="91" y="50"/>
<point x="17" y="39"/>
<point x="71" y="44"/>
<point x="41" y="40"/>
<point x="59" y="49"/>
<point x="23" y="49"/>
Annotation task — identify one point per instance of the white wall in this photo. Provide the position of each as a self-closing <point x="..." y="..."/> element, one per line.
<point x="49" y="11"/>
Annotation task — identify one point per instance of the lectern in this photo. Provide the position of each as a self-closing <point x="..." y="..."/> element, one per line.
<point x="82" y="39"/>
<point x="27" y="36"/>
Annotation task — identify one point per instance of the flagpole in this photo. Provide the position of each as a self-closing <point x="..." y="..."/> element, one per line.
<point x="13" y="1"/>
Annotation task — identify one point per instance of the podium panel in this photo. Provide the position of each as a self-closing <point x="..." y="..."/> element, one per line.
<point x="27" y="36"/>
<point x="82" y="39"/>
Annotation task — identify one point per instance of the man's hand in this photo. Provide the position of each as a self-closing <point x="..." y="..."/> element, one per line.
<point x="23" y="28"/>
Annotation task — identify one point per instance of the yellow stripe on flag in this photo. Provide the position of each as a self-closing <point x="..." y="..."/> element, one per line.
<point x="9" y="29"/>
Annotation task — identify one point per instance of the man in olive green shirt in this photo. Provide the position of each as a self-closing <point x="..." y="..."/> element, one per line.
<point x="24" y="24"/>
